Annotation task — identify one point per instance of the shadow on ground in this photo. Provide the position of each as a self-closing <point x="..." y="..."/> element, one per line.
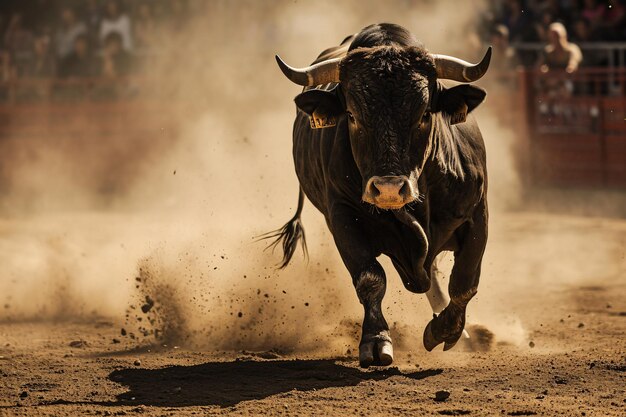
<point x="228" y="383"/>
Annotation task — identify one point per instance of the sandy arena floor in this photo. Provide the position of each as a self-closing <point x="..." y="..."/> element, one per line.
<point x="572" y="360"/>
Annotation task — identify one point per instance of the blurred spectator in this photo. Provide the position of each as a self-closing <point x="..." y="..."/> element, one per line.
<point x="543" y="25"/>
<point x="593" y="11"/>
<point x="70" y="29"/>
<point x="93" y="16"/>
<point x="615" y="21"/>
<point x="43" y="63"/>
<point x="521" y="27"/>
<point x="583" y="34"/>
<point x="7" y="69"/>
<point x="7" y="74"/>
<point x="559" y="54"/>
<point x="38" y="14"/>
<point x="79" y="63"/>
<point x="115" y="20"/>
<point x="520" y="22"/>
<point x="560" y="10"/>
<point x="116" y="61"/>
<point x="17" y="39"/>
<point x="144" y="26"/>
<point x="504" y="59"/>
<point x="177" y="16"/>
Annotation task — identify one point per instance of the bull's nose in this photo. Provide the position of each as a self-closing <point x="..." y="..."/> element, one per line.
<point x="388" y="191"/>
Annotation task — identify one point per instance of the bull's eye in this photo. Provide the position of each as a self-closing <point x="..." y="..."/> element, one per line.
<point x="351" y="117"/>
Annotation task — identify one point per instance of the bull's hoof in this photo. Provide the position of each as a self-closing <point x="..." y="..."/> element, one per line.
<point x="430" y="342"/>
<point x="366" y="354"/>
<point x="385" y="353"/>
<point x="449" y="345"/>
<point x="434" y="336"/>
<point x="377" y="353"/>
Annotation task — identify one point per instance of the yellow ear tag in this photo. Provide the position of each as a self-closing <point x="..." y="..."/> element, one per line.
<point x="319" y="121"/>
<point x="460" y="115"/>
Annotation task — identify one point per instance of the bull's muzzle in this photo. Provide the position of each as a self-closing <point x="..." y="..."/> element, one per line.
<point x="389" y="192"/>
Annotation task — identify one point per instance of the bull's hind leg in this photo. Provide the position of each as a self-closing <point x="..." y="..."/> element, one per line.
<point x="448" y="326"/>
<point x="370" y="283"/>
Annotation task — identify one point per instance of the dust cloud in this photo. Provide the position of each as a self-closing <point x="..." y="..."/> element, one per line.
<point x="169" y="240"/>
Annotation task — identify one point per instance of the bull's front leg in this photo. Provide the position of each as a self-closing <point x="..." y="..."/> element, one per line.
<point x="448" y="326"/>
<point x="437" y="297"/>
<point x="375" y="347"/>
<point x="370" y="283"/>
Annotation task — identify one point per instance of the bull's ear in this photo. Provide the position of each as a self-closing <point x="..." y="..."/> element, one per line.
<point x="458" y="101"/>
<point x="323" y="107"/>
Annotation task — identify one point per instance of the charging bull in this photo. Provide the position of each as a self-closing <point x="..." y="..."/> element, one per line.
<point x="397" y="166"/>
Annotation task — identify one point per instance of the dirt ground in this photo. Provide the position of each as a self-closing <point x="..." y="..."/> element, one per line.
<point x="570" y="361"/>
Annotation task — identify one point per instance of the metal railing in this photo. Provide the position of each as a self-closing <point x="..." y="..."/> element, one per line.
<point x="614" y="52"/>
<point x="42" y="90"/>
<point x="576" y="103"/>
<point x="595" y="82"/>
<point x="575" y="127"/>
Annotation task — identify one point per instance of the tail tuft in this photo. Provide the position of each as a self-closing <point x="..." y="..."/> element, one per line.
<point x="289" y="235"/>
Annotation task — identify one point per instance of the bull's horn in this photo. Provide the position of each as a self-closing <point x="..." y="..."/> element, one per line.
<point x="451" y="68"/>
<point x="317" y="74"/>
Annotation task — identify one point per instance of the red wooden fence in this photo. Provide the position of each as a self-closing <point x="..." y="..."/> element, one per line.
<point x="573" y="126"/>
<point x="104" y="143"/>
<point x="576" y="127"/>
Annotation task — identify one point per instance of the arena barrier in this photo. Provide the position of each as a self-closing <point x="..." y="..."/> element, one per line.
<point x="107" y="141"/>
<point x="576" y="127"/>
<point x="571" y="130"/>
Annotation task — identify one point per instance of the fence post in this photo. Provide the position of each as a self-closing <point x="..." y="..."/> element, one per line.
<point x="526" y="120"/>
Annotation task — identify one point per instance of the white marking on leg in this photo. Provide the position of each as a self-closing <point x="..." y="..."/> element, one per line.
<point x="385" y="353"/>
<point x="437" y="297"/>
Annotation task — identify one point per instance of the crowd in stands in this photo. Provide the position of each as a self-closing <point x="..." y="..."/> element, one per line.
<point x="112" y="39"/>
<point x="557" y="38"/>
<point x="561" y="25"/>
<point x="586" y="20"/>
<point x="80" y="39"/>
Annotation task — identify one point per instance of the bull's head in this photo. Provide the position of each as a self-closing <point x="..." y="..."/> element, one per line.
<point x="389" y="95"/>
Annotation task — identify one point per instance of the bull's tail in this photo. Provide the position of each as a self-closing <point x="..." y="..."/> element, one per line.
<point x="289" y="235"/>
